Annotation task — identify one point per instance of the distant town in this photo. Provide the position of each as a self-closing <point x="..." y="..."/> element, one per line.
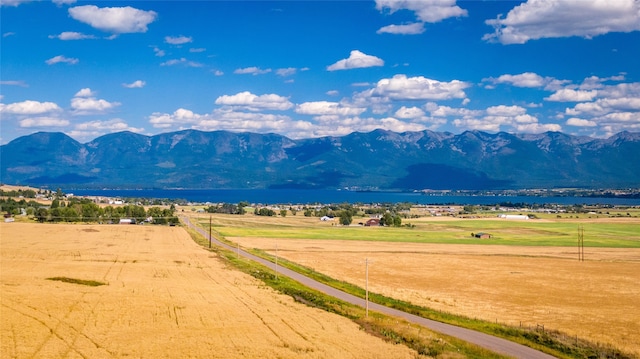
<point x="554" y="192"/>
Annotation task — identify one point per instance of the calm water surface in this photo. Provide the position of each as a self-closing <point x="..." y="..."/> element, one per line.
<point x="267" y="196"/>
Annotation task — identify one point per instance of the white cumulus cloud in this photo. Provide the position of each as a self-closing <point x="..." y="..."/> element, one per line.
<point x="84" y="106"/>
<point x="177" y="40"/>
<point x="357" y="59"/>
<point x="85" y="92"/>
<point x="538" y="19"/>
<point x="527" y="80"/>
<point x="288" y="71"/>
<point x="409" y="112"/>
<point x="135" y="84"/>
<point x="492" y="119"/>
<point x="401" y="87"/>
<point x="251" y="71"/>
<point x="85" y="103"/>
<point x="43" y="122"/>
<point x="71" y="35"/>
<point x="254" y="102"/>
<point x="446" y="111"/>
<point x="406" y="29"/>
<point x="114" y="125"/>
<point x="62" y="59"/>
<point x="13" y="2"/>
<point x="579" y="122"/>
<point x="89" y="130"/>
<point x="159" y="52"/>
<point x="426" y="10"/>
<point x="14" y="83"/>
<point x="63" y="2"/>
<point x="29" y="107"/>
<point x="570" y="95"/>
<point x="328" y="108"/>
<point x="117" y="20"/>
<point x="503" y="110"/>
<point x="229" y="120"/>
<point x="182" y="61"/>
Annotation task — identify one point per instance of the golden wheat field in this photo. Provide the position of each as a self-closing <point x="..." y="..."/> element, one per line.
<point x="165" y="297"/>
<point x="597" y="299"/>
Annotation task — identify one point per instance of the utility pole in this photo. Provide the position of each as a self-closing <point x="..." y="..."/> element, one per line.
<point x="209" y="231"/>
<point x="580" y="243"/>
<point x="366" y="286"/>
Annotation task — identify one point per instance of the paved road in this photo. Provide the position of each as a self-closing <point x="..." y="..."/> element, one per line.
<point x="487" y="341"/>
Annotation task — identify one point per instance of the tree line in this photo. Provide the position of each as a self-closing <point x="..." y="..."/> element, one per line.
<point x="85" y="210"/>
<point x="390" y="215"/>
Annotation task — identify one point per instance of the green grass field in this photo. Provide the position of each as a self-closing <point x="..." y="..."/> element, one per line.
<point x="546" y="232"/>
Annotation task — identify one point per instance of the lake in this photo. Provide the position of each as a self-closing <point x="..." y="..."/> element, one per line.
<point x="291" y="196"/>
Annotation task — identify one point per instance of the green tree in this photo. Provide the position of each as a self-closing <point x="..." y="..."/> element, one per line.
<point x="283" y="212"/>
<point x="69" y="214"/>
<point x="56" y="214"/>
<point x="469" y="209"/>
<point x="41" y="214"/>
<point x="265" y="212"/>
<point x="386" y="220"/>
<point x="345" y="218"/>
<point x="29" y="193"/>
<point x="159" y="215"/>
<point x="90" y="211"/>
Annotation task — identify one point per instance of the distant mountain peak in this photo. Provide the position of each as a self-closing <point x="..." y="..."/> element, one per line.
<point x="377" y="159"/>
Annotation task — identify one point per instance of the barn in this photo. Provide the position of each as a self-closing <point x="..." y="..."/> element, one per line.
<point x="372" y="222"/>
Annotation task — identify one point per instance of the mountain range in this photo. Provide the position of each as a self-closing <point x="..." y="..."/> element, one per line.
<point x="377" y="160"/>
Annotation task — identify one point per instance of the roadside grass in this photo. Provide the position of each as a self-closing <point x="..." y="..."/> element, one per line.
<point x="395" y="330"/>
<point x="456" y="231"/>
<point x="90" y="283"/>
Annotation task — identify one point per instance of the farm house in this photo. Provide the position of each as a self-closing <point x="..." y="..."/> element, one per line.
<point x="481" y="235"/>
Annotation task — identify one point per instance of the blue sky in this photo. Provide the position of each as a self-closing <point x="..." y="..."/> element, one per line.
<point x="319" y="68"/>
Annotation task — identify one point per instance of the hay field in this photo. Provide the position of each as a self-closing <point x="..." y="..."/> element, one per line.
<point x="596" y="299"/>
<point x="165" y="297"/>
